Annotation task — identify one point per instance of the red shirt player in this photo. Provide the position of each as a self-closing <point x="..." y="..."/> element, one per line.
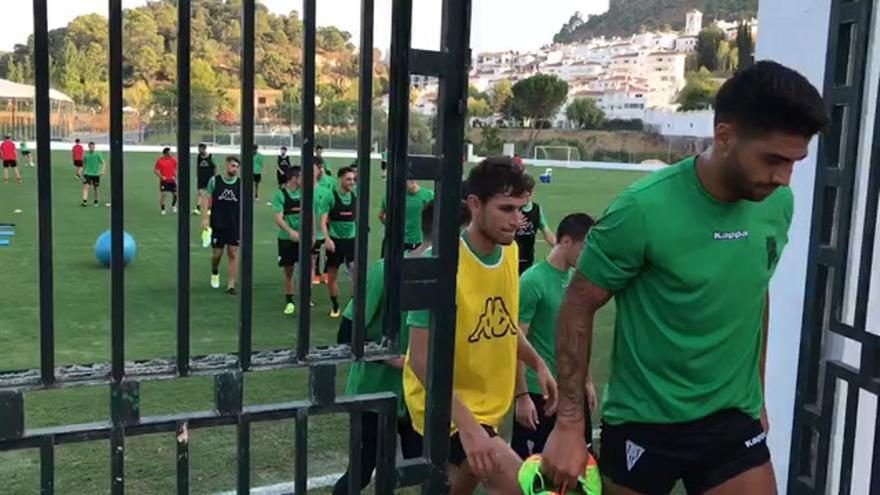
<point x="78" y="156"/>
<point x="7" y="154"/>
<point x="166" y="170"/>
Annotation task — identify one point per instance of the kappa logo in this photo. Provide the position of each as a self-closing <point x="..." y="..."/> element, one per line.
<point x="736" y="235"/>
<point x="526" y="228"/>
<point x="633" y="454"/>
<point x="227" y="195"/>
<point x="494" y="322"/>
<point x="760" y="437"/>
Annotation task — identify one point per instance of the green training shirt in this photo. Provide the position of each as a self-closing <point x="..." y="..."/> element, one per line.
<point x="24" y="147"/>
<point x="327" y="182"/>
<point x="319" y="199"/>
<point x="415" y="202"/>
<point x="293" y="221"/>
<point x="93" y="163"/>
<point x="689" y="275"/>
<point x="373" y="377"/>
<point x="541" y="290"/>
<point x="258" y="163"/>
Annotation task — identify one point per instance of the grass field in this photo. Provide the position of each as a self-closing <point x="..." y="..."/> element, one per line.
<point x="82" y="304"/>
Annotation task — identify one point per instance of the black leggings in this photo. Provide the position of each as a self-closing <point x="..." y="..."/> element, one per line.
<point x="410" y="446"/>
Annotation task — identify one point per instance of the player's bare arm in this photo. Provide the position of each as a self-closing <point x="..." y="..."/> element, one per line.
<point x="527" y="355"/>
<point x="565" y="455"/>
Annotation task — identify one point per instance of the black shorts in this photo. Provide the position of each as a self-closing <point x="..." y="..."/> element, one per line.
<point x="343" y="254"/>
<point x="457" y="455"/>
<point x="78" y="163"/>
<point x="384" y="165"/>
<point x="526" y="442"/>
<point x="650" y="458"/>
<point x="316" y="247"/>
<point x="9" y="164"/>
<point x="168" y="186"/>
<point x="258" y="178"/>
<point x="202" y="181"/>
<point x="221" y="238"/>
<point x="92" y="180"/>
<point x="281" y="178"/>
<point x="288" y="252"/>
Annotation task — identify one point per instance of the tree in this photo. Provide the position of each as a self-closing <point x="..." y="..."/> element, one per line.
<point x="699" y="91"/>
<point x="332" y="39"/>
<point x="538" y="98"/>
<point x="491" y="141"/>
<point x="205" y="95"/>
<point x="501" y="97"/>
<point x="139" y="96"/>
<point x="276" y="70"/>
<point x="585" y="113"/>
<point x="479" y="108"/>
<point x="745" y="45"/>
<point x="708" y="42"/>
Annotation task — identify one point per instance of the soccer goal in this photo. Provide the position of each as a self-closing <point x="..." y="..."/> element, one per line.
<point x="563" y="153"/>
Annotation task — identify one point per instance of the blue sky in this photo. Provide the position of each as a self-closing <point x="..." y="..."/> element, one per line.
<point x="497" y="24"/>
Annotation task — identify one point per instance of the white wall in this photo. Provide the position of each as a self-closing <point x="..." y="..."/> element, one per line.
<point x="784" y="23"/>
<point x="689" y="124"/>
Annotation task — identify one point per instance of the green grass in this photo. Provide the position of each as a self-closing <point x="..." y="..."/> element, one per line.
<point x="82" y="326"/>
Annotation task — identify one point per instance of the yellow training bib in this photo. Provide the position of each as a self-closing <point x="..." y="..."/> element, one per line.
<point x="484" y="369"/>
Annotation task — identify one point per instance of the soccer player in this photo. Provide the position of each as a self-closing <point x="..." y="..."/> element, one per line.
<point x="416" y="199"/>
<point x="323" y="187"/>
<point x="78" y="157"/>
<point x="385" y="376"/>
<point x="533" y="221"/>
<point x="93" y="169"/>
<point x="281" y="169"/>
<point x="205" y="170"/>
<point x="258" y="173"/>
<point x="287" y="205"/>
<point x="688" y="253"/>
<point x="338" y="220"/>
<point x="26" y="153"/>
<point x="319" y="158"/>
<point x="384" y="163"/>
<point x="7" y="154"/>
<point x="487" y="340"/>
<point x="517" y="158"/>
<point x="222" y="199"/>
<point x="541" y="290"/>
<point x="166" y="170"/>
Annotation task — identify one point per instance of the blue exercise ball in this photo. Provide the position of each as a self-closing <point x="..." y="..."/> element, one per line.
<point x="102" y="248"/>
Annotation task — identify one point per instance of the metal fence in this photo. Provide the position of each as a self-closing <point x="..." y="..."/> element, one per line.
<point x="819" y="378"/>
<point x="410" y="283"/>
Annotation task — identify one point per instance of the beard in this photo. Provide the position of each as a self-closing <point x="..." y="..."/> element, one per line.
<point x="736" y="181"/>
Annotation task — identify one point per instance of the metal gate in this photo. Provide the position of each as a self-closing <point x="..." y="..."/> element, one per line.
<point x="411" y="283"/>
<point x="824" y="324"/>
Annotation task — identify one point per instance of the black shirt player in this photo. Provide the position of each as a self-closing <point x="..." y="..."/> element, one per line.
<point x="283" y="165"/>
<point x="533" y="220"/>
<point x="223" y="198"/>
<point x="205" y="169"/>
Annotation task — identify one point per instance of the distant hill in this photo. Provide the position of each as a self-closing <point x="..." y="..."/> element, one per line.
<point x="626" y="17"/>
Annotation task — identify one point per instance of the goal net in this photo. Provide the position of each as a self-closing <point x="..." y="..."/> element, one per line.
<point x="562" y="153"/>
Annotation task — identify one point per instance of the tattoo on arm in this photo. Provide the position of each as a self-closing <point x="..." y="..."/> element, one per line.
<point x="574" y="336"/>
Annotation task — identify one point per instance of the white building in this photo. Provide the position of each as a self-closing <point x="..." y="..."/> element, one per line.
<point x="686" y="43"/>
<point x="670" y="123"/>
<point x="693" y="22"/>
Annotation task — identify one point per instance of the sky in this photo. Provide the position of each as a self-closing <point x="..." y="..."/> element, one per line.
<point x="496" y="24"/>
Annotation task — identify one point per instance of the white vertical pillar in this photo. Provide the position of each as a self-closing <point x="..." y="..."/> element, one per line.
<point x="781" y="23"/>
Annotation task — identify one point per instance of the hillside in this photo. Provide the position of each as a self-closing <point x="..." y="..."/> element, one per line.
<point x="79" y="57"/>
<point x="625" y="17"/>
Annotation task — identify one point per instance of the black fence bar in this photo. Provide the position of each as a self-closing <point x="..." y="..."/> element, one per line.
<point x="452" y="99"/>
<point x="355" y="434"/>
<point x="365" y="166"/>
<point x="301" y="452"/>
<point x="398" y="146"/>
<point x="183" y="459"/>
<point x="44" y="192"/>
<point x="246" y="251"/>
<point x="117" y="216"/>
<point x="183" y="189"/>
<point x="117" y="460"/>
<point x="386" y="473"/>
<point x="47" y="467"/>
<point x="244" y="457"/>
<point x="308" y="160"/>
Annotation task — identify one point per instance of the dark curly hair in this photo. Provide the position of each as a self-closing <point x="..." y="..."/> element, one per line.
<point x="493" y="176"/>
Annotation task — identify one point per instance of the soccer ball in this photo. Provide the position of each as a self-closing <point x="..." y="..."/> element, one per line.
<point x="532" y="481"/>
